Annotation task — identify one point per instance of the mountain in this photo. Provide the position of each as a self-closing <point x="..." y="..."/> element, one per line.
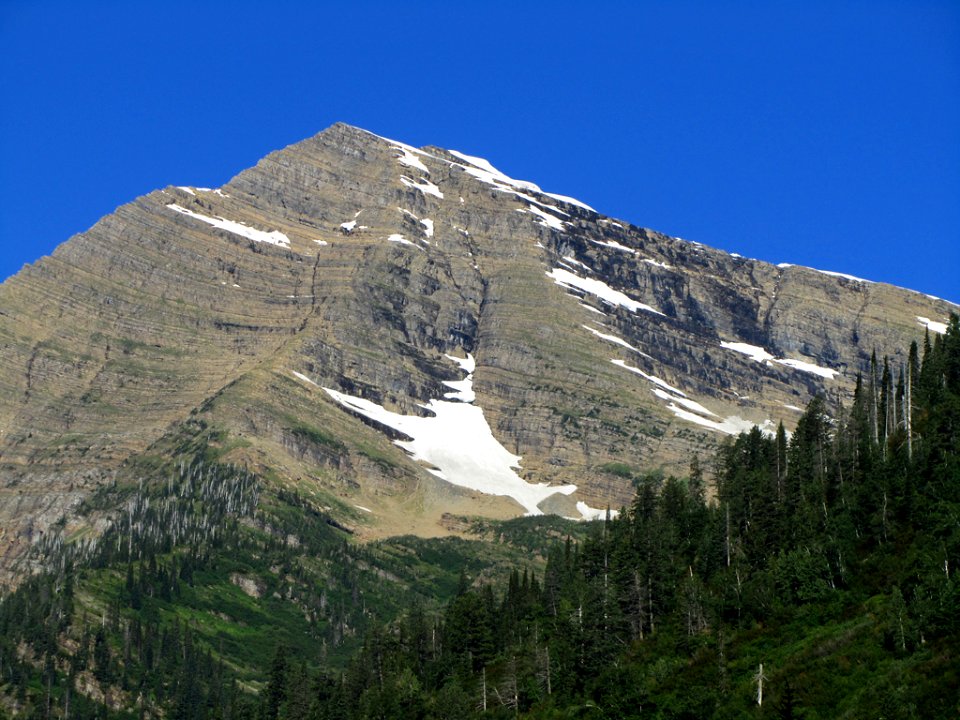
<point x="405" y="337"/>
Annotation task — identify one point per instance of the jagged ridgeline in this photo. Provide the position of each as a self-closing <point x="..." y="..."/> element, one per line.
<point x="819" y="582"/>
<point x="406" y="334"/>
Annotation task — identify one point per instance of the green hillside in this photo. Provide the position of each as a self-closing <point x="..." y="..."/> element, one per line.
<point x="817" y="581"/>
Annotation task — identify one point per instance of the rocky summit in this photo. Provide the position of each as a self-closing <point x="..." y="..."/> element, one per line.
<point x="408" y="336"/>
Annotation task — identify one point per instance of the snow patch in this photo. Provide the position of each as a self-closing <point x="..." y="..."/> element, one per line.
<point x="600" y="289"/>
<point x="843" y="275"/>
<point x="274" y="237"/>
<point x="459" y="445"/>
<point x="784" y="266"/>
<point x="190" y="191"/>
<point x="752" y="351"/>
<point x="303" y="377"/>
<point x="733" y="425"/>
<point x="589" y="513"/>
<point x="483" y="171"/>
<point x="658" y="264"/>
<point x="546" y="219"/>
<point x="428" y="225"/>
<point x="570" y="201"/>
<point x="409" y="159"/>
<point x="808" y="367"/>
<point x="689" y="404"/>
<point x="594" y="310"/>
<point x="463" y="389"/>
<point x="574" y="261"/>
<point x="361" y="507"/>
<point x="690" y="410"/>
<point x="758" y="354"/>
<point x="615" y="245"/>
<point x="424" y="186"/>
<point x="398" y="238"/>
<point x="652" y="378"/>
<point x="534" y="201"/>
<point x="933" y="325"/>
<point x="611" y="338"/>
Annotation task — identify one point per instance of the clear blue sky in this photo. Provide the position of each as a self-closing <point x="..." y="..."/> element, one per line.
<point x="817" y="133"/>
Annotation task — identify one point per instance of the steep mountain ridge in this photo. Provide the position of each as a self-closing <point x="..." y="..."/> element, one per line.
<point x="356" y="264"/>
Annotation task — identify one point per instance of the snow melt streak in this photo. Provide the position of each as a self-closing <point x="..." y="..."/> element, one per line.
<point x="758" y="354"/>
<point x="274" y="238"/>
<point x="600" y="289"/>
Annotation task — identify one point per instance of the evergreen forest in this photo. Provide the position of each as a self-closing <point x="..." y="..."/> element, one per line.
<point x="805" y="575"/>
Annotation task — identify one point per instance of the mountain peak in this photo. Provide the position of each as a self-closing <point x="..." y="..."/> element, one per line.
<point x="306" y="313"/>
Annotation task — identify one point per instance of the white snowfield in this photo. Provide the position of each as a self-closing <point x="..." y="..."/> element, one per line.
<point x="752" y="351"/>
<point x="932" y="325"/>
<point x="458" y="443"/>
<point x="690" y="410"/>
<point x="483" y="171"/>
<point x="424" y="186"/>
<point x="274" y="237"/>
<point x="546" y="219"/>
<point x="808" y="367"/>
<point x="590" y="513"/>
<point x="600" y="289"/>
<point x="463" y="389"/>
<point x="733" y="425"/>
<point x="190" y="190"/>
<point x="658" y="264"/>
<point x="409" y="159"/>
<point x="615" y="245"/>
<point x="758" y="354"/>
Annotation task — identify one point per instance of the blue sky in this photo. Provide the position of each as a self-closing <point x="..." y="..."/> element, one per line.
<point x="818" y="133"/>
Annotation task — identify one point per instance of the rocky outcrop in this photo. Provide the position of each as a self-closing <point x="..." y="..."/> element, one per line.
<point x="356" y="263"/>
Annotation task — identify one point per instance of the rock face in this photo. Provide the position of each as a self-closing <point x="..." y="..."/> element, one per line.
<point x="359" y="264"/>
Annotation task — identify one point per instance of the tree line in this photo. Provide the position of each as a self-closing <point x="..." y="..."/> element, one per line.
<point x="816" y="580"/>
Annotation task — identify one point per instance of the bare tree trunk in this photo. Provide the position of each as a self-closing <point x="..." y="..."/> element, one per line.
<point x="884" y="515"/>
<point x="650" y="600"/>
<point x="484" y="701"/>
<point x="549" y="689"/>
<point x="641" y="610"/>
<point x="908" y="410"/>
<point x="728" y="535"/>
<point x="873" y="400"/>
<point x="760" y="677"/>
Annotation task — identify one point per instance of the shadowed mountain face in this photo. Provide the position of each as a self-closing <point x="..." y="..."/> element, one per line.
<point x="407" y="334"/>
